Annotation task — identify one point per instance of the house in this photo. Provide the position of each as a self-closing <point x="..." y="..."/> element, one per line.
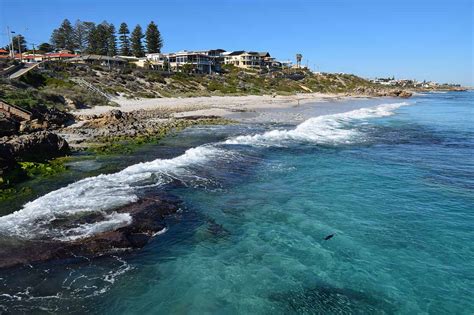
<point x="62" y="55"/>
<point x="196" y="61"/>
<point x="248" y="59"/>
<point x="4" y="54"/>
<point x="99" y="60"/>
<point x="33" y="57"/>
<point x="207" y="61"/>
<point x="157" y="61"/>
<point x="199" y="62"/>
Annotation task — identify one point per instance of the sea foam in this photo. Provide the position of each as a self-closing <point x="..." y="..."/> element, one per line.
<point x="98" y="194"/>
<point x="107" y="192"/>
<point x="329" y="129"/>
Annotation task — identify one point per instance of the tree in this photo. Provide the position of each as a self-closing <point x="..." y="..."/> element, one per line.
<point x="63" y="37"/>
<point x="153" y="38"/>
<point x="136" y="42"/>
<point x="45" y="47"/>
<point x="19" y="40"/>
<point x="124" y="40"/>
<point x="111" y="41"/>
<point x="99" y="39"/>
<point x="81" y="34"/>
<point x="92" y="41"/>
<point x="299" y="57"/>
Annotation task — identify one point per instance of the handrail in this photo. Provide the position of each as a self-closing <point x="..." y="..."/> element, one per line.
<point x="91" y="87"/>
<point x="18" y="111"/>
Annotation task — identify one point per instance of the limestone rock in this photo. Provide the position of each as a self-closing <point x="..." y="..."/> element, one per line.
<point x="33" y="147"/>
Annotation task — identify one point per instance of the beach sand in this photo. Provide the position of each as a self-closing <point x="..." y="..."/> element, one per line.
<point x="224" y="106"/>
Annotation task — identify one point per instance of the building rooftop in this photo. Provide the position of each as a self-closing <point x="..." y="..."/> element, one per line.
<point x="97" y="57"/>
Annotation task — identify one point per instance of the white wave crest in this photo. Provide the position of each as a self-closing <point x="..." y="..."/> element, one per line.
<point x="99" y="193"/>
<point x="329" y="129"/>
<point x="106" y="192"/>
<point x="111" y="221"/>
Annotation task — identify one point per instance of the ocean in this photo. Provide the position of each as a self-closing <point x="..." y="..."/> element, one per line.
<point x="392" y="180"/>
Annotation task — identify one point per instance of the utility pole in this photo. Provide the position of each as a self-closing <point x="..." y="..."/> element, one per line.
<point x="34" y="52"/>
<point x="19" y="48"/>
<point x="10" y="42"/>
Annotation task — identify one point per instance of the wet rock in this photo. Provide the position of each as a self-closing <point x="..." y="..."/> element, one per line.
<point x="148" y="218"/>
<point x="378" y="92"/>
<point x="405" y="94"/>
<point x="197" y="117"/>
<point x="8" y="126"/>
<point x="217" y="229"/>
<point x="33" y="147"/>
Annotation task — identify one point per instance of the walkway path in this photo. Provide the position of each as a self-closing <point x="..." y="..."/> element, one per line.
<point x="26" y="68"/>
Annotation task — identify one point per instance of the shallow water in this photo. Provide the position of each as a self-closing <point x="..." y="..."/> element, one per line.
<point x="394" y="183"/>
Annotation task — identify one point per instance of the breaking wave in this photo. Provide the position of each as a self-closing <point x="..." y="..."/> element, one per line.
<point x="107" y="192"/>
<point x="329" y="129"/>
<point x="99" y="194"/>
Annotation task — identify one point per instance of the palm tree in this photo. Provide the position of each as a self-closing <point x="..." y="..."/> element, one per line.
<point x="299" y="57"/>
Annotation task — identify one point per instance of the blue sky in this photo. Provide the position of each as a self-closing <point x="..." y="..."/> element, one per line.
<point x="420" y="39"/>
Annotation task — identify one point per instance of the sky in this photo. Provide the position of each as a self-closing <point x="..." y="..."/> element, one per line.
<point x="413" y="39"/>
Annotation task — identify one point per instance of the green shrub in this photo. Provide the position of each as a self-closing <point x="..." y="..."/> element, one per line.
<point x="155" y="77"/>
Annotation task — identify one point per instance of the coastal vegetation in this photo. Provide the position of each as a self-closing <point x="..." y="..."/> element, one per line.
<point x="54" y="86"/>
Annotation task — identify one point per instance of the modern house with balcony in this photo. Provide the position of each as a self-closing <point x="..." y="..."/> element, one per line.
<point x="208" y="61"/>
<point x="196" y="61"/>
<point x="248" y="59"/>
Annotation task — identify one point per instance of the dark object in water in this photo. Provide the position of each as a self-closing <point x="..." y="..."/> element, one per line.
<point x="329" y="236"/>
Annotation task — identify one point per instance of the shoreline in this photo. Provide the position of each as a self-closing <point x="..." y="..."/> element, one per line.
<point x="214" y="105"/>
<point x="126" y="237"/>
<point x="145" y="117"/>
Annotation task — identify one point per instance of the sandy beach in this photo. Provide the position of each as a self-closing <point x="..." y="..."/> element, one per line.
<point x="223" y="106"/>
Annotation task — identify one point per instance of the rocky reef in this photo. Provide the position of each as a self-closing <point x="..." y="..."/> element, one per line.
<point x="377" y="92"/>
<point x="33" y="147"/>
<point x="115" y="127"/>
<point x="148" y="220"/>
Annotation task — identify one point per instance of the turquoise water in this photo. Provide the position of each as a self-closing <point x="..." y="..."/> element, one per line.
<point x="395" y="184"/>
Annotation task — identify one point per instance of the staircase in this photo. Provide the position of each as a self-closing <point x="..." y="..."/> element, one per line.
<point x="92" y="88"/>
<point x="12" y="111"/>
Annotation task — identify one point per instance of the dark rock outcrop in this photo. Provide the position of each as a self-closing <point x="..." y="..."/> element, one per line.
<point x="46" y="119"/>
<point x="377" y="92"/>
<point x="33" y="147"/>
<point x="8" y="126"/>
<point x="147" y="219"/>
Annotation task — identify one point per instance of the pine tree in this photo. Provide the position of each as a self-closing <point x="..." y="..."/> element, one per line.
<point x="63" y="37"/>
<point x="136" y="42"/>
<point x="19" y="42"/>
<point x="92" y="41"/>
<point x="81" y="34"/>
<point x="99" y="38"/>
<point x="111" y="41"/>
<point x="45" y="47"/>
<point x="124" y="40"/>
<point x="153" y="38"/>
